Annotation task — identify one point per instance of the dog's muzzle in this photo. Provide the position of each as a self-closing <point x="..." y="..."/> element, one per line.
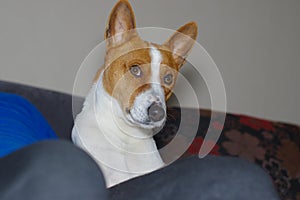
<point x="148" y="110"/>
<point x="156" y="112"/>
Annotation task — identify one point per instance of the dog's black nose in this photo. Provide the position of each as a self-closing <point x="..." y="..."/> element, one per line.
<point x="156" y="112"/>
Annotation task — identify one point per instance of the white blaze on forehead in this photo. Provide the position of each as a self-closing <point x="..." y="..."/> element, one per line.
<point x="139" y="110"/>
<point x="155" y="68"/>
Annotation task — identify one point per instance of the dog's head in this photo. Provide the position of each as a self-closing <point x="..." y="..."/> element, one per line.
<point x="141" y="75"/>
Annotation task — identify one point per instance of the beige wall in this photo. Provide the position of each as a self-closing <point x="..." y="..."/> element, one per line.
<point x="255" y="44"/>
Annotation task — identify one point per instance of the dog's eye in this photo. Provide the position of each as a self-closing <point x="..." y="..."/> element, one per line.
<point x="136" y="70"/>
<point x="168" y="79"/>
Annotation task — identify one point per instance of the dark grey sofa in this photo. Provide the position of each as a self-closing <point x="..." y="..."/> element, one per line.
<point x="271" y="138"/>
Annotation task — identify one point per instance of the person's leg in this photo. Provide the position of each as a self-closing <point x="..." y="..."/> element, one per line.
<point x="223" y="178"/>
<point x="50" y="170"/>
<point x="21" y="124"/>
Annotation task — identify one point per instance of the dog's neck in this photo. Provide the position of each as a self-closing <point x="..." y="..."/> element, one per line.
<point x="107" y="111"/>
<point x="122" y="151"/>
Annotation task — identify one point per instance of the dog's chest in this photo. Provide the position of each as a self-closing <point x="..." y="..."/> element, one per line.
<point x="119" y="156"/>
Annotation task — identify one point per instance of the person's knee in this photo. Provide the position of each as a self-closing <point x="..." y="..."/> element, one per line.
<point x="233" y="167"/>
<point x="228" y="177"/>
<point x="212" y="177"/>
<point x="220" y="164"/>
<point x="56" y="169"/>
<point x="59" y="155"/>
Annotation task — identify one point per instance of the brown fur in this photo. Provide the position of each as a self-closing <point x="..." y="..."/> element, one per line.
<point x="125" y="48"/>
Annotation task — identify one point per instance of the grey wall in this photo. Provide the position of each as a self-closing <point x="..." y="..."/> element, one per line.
<point x="255" y="44"/>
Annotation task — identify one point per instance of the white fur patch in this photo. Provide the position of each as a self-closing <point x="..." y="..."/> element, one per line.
<point x="155" y="69"/>
<point x="121" y="151"/>
<point x="139" y="110"/>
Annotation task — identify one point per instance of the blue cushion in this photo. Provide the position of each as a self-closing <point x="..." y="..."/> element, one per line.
<point x="21" y="124"/>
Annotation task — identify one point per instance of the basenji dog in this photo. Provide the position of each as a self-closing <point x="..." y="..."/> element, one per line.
<point x="127" y="101"/>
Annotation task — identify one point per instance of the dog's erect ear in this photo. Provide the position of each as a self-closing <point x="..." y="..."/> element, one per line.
<point x="182" y="41"/>
<point x="121" y="24"/>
